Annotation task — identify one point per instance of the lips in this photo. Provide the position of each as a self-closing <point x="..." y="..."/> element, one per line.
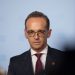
<point x="36" y="43"/>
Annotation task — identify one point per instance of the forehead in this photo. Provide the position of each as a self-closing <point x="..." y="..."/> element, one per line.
<point x="36" y="23"/>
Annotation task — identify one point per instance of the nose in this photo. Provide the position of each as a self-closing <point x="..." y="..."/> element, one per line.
<point x="36" y="36"/>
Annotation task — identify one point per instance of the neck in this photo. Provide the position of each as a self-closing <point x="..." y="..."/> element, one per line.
<point x="40" y="49"/>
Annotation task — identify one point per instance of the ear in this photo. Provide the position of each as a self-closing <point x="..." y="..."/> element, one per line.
<point x="25" y="33"/>
<point x="49" y="33"/>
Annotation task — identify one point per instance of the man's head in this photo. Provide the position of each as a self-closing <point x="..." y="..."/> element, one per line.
<point x="37" y="30"/>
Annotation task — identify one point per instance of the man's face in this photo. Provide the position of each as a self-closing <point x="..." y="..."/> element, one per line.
<point x="37" y="33"/>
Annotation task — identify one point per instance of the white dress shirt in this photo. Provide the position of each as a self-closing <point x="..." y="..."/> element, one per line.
<point x="43" y="57"/>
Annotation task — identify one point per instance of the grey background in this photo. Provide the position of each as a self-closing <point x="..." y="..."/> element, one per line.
<point x="12" y="16"/>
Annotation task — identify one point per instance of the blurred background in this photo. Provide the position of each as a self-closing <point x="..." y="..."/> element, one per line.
<point x="12" y="16"/>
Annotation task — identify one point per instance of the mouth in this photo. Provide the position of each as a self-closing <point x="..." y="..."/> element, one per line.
<point x="37" y="43"/>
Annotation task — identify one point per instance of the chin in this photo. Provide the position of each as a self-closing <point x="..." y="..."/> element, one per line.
<point x="37" y="48"/>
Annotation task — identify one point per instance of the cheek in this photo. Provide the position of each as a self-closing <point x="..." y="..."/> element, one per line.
<point x="30" y="40"/>
<point x="43" y="39"/>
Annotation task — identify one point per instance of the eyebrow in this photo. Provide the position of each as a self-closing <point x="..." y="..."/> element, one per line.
<point x="36" y="30"/>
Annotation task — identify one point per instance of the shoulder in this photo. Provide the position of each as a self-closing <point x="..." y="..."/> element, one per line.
<point x="56" y="54"/>
<point x="55" y="51"/>
<point x="20" y="57"/>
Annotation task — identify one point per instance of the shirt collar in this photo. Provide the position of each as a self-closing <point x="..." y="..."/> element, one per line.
<point x="44" y="51"/>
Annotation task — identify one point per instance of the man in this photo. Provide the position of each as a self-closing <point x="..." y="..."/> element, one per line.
<point x="50" y="61"/>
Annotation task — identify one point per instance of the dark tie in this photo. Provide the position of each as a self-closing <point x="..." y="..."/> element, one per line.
<point x="39" y="66"/>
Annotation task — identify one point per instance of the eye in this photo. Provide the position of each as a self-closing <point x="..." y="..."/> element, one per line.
<point x="41" y="31"/>
<point x="30" y="31"/>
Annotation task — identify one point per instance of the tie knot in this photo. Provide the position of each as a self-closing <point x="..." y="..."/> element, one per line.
<point x="38" y="55"/>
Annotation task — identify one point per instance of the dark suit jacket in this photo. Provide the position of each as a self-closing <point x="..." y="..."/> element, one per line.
<point x="22" y="64"/>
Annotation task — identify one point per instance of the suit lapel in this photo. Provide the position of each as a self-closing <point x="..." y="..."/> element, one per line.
<point x="50" y="62"/>
<point x="28" y="64"/>
<point x="54" y="62"/>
